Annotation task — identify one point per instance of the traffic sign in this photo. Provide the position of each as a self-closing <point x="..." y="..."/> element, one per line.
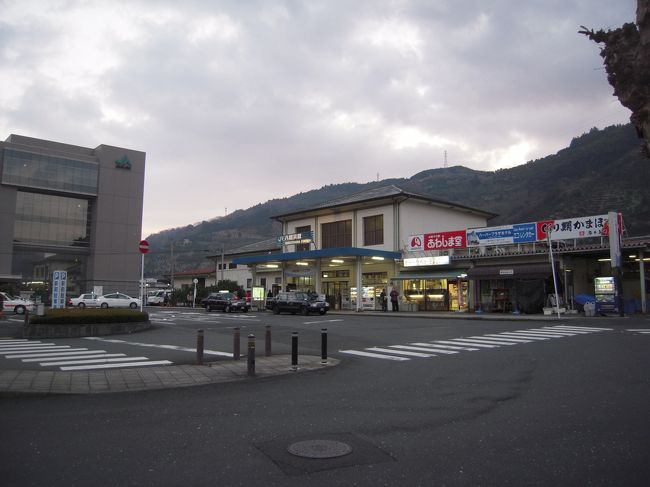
<point x="144" y="246"/>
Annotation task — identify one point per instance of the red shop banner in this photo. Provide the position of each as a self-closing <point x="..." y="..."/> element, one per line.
<point x="445" y="240"/>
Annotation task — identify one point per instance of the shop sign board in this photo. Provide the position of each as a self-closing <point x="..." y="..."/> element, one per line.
<point x="426" y="261"/>
<point x="438" y="241"/>
<point x="296" y="238"/>
<point x="569" y="228"/>
<point x="503" y="235"/>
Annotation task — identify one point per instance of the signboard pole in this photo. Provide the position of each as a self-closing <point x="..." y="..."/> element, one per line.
<point x="142" y="284"/>
<point x="615" y="259"/>
<point x="143" y="246"/>
<point x="550" y="253"/>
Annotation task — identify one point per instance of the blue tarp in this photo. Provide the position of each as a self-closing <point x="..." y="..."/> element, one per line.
<point x="585" y="298"/>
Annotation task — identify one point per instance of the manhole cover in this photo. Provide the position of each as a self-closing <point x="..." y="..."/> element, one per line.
<point x="319" y="449"/>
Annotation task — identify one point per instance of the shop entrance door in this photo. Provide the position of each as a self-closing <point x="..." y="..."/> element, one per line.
<point x="458" y="299"/>
<point x="334" y="291"/>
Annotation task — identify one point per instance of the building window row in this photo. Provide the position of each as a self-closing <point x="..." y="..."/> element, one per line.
<point x="51" y="173"/>
<point x="51" y="220"/>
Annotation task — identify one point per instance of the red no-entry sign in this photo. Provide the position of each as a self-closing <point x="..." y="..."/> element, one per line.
<point x="144" y="246"/>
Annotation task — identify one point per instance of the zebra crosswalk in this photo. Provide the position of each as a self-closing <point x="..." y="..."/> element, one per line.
<point x="67" y="358"/>
<point x="434" y="348"/>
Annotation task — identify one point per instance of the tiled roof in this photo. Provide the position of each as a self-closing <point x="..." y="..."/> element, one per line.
<point x="383" y="192"/>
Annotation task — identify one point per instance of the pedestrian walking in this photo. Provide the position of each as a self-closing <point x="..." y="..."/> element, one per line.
<point x="383" y="301"/>
<point x="393" y="299"/>
<point x="166" y="300"/>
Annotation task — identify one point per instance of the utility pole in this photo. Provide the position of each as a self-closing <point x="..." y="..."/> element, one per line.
<point x="172" y="264"/>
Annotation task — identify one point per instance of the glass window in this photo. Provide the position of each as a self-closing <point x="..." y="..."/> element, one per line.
<point x="48" y="172"/>
<point x="51" y="220"/>
<point x="336" y="234"/>
<point x="304" y="246"/>
<point x="373" y="230"/>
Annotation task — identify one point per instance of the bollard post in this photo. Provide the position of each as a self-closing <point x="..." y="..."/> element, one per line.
<point x="323" y="346"/>
<point x="199" y="347"/>
<point x="235" y="345"/>
<point x="267" y="347"/>
<point x="294" y="351"/>
<point x="251" y="355"/>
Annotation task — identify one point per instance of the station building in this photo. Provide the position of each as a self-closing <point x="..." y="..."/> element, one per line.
<point x="350" y="249"/>
<point x="71" y="208"/>
<point x="439" y="256"/>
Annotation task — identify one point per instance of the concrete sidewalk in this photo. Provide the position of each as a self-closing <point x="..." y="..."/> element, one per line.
<point x="19" y="382"/>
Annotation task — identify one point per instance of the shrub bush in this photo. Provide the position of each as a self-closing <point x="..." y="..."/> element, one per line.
<point x="77" y="316"/>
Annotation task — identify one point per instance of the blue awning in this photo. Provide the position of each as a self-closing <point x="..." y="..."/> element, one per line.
<point x="318" y="254"/>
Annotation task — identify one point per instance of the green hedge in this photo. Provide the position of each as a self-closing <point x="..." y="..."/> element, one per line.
<point x="76" y="316"/>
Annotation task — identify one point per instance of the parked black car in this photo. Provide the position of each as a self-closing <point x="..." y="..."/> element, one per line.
<point x="226" y="302"/>
<point x="297" y="302"/>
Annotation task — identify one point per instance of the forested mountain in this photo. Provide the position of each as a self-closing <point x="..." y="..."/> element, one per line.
<point x="600" y="171"/>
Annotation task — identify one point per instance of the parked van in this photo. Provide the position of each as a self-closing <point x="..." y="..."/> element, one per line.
<point x="157" y="297"/>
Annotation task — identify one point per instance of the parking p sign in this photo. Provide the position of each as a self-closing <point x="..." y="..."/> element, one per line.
<point x="59" y="283"/>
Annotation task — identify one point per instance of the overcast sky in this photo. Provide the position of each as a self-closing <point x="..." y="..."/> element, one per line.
<point x="238" y="102"/>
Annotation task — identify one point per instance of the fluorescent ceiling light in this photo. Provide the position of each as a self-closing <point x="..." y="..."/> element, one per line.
<point x="604" y="260"/>
<point x="271" y="266"/>
<point x="302" y="263"/>
<point x="376" y="257"/>
<point x="337" y="261"/>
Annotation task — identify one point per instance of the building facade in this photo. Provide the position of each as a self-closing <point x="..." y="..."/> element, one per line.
<point x="350" y="249"/>
<point x="71" y="208"/>
<point x="441" y="256"/>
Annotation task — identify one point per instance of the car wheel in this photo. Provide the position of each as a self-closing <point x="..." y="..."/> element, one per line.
<point x="227" y="309"/>
<point x="81" y="305"/>
<point x="19" y="310"/>
<point x="322" y="311"/>
<point x="104" y="305"/>
<point x="245" y="310"/>
<point x="304" y="311"/>
<point x="276" y="310"/>
<point x="133" y="305"/>
<point x="208" y="308"/>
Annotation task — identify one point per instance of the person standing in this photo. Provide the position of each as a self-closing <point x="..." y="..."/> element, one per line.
<point x="393" y="299"/>
<point x="383" y="300"/>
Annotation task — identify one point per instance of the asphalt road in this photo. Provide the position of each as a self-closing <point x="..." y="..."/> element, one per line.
<point x="572" y="410"/>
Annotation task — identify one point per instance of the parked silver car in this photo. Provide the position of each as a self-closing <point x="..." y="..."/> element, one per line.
<point x="118" y="300"/>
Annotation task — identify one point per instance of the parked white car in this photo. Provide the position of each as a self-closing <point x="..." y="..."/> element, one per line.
<point x="16" y="305"/>
<point x="118" y="300"/>
<point x="85" y="300"/>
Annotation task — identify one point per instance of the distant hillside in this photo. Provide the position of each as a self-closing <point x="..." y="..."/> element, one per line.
<point x="600" y="171"/>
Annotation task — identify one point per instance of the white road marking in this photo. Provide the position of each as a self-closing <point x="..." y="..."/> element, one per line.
<point x="319" y="322"/>
<point x="89" y="355"/>
<point x="455" y="347"/>
<point x="120" y="365"/>
<point x="524" y="336"/>
<point x="155" y="345"/>
<point x="71" y="351"/>
<point x="373" y="355"/>
<point x="423" y="348"/>
<point x="427" y="347"/>
<point x="514" y="340"/>
<point x="587" y="328"/>
<point x="495" y="341"/>
<point x="462" y="341"/>
<point x="105" y="360"/>
<point x="400" y="352"/>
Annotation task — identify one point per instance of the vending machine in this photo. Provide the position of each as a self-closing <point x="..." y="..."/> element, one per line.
<point x="605" y="293"/>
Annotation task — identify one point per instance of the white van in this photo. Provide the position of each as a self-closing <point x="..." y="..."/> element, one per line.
<point x="157" y="297"/>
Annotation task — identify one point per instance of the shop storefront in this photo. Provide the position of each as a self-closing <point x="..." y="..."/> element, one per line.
<point x="512" y="287"/>
<point x="446" y="290"/>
